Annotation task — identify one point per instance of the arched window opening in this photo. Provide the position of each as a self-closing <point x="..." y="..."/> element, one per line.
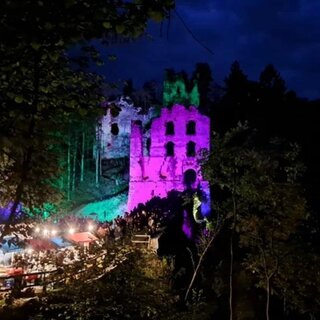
<point x="115" y="129"/>
<point x="191" y="149"/>
<point x="170" y="149"/>
<point x="170" y="128"/>
<point x="138" y="122"/>
<point x="189" y="178"/>
<point x="191" y="127"/>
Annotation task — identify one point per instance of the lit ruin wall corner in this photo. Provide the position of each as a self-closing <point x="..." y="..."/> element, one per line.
<point x="115" y="129"/>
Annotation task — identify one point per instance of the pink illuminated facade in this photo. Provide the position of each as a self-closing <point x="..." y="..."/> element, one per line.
<point x="170" y="159"/>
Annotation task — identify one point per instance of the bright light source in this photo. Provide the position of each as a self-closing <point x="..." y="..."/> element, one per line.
<point x="53" y="232"/>
<point x="45" y="232"/>
<point x="71" y="230"/>
<point x="29" y="250"/>
<point x="37" y="230"/>
<point x="90" y="227"/>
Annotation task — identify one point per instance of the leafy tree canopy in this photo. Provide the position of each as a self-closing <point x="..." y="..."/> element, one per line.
<point x="256" y="188"/>
<point x="41" y="89"/>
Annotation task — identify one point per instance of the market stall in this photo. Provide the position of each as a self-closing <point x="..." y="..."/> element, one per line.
<point x="9" y="247"/>
<point x="61" y="242"/>
<point x="82" y="238"/>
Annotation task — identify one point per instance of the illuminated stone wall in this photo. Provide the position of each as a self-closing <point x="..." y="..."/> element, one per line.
<point x="115" y="142"/>
<point x="167" y="166"/>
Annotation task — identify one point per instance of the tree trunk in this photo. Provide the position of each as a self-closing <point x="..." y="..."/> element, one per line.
<point x="268" y="297"/>
<point x="231" y="278"/>
<point x="69" y="170"/>
<point x="27" y="158"/>
<point x="74" y="162"/>
<point x="268" y="276"/>
<point x="199" y="264"/>
<point x="100" y="163"/>
<point x="94" y="145"/>
<point x="82" y="156"/>
<point x="97" y="164"/>
<point x="61" y="182"/>
<point x="15" y="204"/>
<point x="232" y="256"/>
<point x="98" y="155"/>
<point x="19" y="190"/>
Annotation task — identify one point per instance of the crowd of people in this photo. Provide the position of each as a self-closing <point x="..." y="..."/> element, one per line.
<point x="48" y="260"/>
<point x="125" y="226"/>
<point x="121" y="229"/>
<point x="32" y="266"/>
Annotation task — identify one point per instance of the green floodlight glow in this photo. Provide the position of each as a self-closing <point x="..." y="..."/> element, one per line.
<point x="196" y="206"/>
<point x="105" y="210"/>
<point x="47" y="210"/>
<point x="175" y="92"/>
<point x="194" y="96"/>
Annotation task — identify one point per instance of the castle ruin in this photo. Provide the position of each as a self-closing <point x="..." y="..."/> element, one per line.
<point x="171" y="158"/>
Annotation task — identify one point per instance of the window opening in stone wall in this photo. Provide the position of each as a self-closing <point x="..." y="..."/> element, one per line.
<point x="148" y="145"/>
<point x="191" y="127"/>
<point x="170" y="128"/>
<point x="170" y="149"/>
<point x="191" y="149"/>
<point x="189" y="178"/>
<point x="115" y="129"/>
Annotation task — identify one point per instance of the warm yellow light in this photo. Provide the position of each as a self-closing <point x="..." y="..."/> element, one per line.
<point x="71" y="230"/>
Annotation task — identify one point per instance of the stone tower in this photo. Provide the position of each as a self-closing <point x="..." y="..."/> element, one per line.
<point x="172" y="159"/>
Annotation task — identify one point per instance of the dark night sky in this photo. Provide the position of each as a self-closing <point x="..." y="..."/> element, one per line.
<point x="255" y="32"/>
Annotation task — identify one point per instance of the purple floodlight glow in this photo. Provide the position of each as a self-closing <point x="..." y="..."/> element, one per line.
<point x="169" y="163"/>
<point x="186" y="226"/>
<point x="205" y="199"/>
<point x="6" y="211"/>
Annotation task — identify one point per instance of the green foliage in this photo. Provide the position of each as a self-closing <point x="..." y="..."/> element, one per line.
<point x="44" y="212"/>
<point x="135" y="289"/>
<point x="194" y="96"/>
<point x="298" y="281"/>
<point x="257" y="187"/>
<point x="53" y="95"/>
<point x="35" y="22"/>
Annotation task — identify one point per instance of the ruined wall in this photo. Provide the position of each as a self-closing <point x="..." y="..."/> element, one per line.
<point x="164" y="168"/>
<point x="113" y="145"/>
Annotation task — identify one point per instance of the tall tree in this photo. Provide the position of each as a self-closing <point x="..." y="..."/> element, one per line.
<point x="236" y="83"/>
<point x="267" y="234"/>
<point x="128" y="88"/>
<point x="40" y="90"/>
<point x="257" y="187"/>
<point x="203" y="75"/>
<point x="271" y="80"/>
<point x="233" y="106"/>
<point x="83" y="146"/>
